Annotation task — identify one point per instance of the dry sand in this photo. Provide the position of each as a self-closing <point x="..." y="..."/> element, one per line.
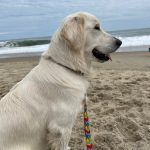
<point x="119" y="100"/>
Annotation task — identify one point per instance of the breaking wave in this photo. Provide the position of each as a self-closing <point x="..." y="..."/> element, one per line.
<point x="40" y="45"/>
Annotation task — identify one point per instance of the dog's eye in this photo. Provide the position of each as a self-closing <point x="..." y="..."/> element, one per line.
<point x="97" y="27"/>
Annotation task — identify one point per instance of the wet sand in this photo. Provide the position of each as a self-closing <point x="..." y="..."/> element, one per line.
<point x="119" y="100"/>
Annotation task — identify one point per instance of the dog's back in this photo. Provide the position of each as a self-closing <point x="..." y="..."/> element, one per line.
<point x="21" y="124"/>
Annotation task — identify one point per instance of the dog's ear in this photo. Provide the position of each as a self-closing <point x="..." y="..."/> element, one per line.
<point x="73" y="32"/>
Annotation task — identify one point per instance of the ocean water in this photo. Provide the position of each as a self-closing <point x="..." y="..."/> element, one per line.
<point x="133" y="40"/>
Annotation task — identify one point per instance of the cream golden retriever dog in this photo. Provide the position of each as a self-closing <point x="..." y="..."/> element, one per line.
<point x="38" y="113"/>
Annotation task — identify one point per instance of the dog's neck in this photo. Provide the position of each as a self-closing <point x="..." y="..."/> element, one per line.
<point x="60" y="53"/>
<point x="75" y="71"/>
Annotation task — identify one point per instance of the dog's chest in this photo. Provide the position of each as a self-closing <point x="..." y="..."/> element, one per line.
<point x="67" y="102"/>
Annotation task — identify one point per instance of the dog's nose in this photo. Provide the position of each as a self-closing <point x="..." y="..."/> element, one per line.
<point x="118" y="42"/>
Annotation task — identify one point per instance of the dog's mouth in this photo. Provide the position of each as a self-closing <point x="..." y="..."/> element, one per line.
<point x="100" y="56"/>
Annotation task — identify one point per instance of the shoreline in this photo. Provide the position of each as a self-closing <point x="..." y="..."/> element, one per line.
<point x="17" y="55"/>
<point x="38" y="54"/>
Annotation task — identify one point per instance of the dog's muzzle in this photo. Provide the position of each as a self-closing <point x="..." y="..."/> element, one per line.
<point x="105" y="57"/>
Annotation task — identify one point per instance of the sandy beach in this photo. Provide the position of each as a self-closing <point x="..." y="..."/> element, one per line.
<point x="119" y="100"/>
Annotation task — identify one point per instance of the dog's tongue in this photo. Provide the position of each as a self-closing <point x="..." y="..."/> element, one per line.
<point x="108" y="55"/>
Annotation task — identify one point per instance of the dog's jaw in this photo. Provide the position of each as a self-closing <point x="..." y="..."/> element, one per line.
<point x="100" y="56"/>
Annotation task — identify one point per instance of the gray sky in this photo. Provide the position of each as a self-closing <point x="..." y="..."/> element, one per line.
<point x="35" y="18"/>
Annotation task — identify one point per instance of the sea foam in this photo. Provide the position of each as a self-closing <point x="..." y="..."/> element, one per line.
<point x="27" y="49"/>
<point x="135" y="41"/>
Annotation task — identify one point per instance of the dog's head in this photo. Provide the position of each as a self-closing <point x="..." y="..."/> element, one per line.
<point x="83" y="33"/>
<point x="79" y="38"/>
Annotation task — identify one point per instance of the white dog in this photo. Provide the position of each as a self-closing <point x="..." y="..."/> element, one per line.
<point x="38" y="113"/>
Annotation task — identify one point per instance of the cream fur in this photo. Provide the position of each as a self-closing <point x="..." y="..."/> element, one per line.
<point x="38" y="113"/>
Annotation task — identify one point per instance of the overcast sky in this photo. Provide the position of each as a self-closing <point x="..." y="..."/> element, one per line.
<point x="35" y="18"/>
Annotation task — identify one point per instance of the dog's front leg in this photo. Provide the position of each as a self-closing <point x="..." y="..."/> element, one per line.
<point x="59" y="139"/>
